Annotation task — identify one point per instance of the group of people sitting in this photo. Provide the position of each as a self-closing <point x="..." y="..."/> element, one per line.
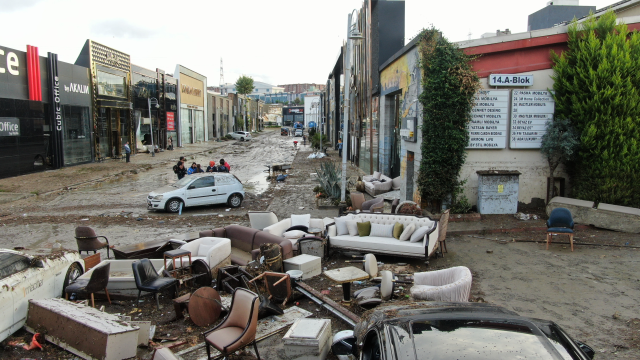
<point x="181" y="171"/>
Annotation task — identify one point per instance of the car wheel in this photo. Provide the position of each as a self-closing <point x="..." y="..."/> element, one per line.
<point x="173" y="205"/>
<point x="235" y="200"/>
<point x="75" y="270"/>
<point x="241" y="139"/>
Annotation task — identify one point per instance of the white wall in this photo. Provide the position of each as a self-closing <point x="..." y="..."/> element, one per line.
<point x="309" y="113"/>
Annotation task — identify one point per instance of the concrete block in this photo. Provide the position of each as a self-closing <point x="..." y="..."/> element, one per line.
<point x="570" y="201"/>
<point x="619" y="209"/>
<point x="606" y="216"/>
<point x="82" y="330"/>
<point x="308" y="339"/>
<point x="581" y="211"/>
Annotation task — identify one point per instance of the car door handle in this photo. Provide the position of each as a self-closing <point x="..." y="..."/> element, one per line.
<point x="213" y="190"/>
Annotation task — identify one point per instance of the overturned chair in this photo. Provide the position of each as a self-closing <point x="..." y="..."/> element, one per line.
<point x="453" y="284"/>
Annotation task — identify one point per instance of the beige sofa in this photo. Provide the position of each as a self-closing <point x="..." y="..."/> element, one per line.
<point x="378" y="183"/>
<point x="387" y="246"/>
<point x="279" y="228"/>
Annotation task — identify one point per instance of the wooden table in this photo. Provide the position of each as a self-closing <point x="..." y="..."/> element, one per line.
<point x="152" y="249"/>
<point x="346" y="276"/>
<point x="205" y="306"/>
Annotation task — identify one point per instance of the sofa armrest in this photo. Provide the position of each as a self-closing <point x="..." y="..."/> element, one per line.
<point x="255" y="253"/>
<point x="332" y="230"/>
<point x="278" y="228"/>
<point x="220" y="251"/>
<point x="367" y="178"/>
<point x="383" y="186"/>
<point x="431" y="238"/>
<point x="206" y="233"/>
<point x="219" y="232"/>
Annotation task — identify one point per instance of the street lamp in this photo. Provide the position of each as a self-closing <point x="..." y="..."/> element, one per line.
<point x="155" y="103"/>
<point x="353" y="33"/>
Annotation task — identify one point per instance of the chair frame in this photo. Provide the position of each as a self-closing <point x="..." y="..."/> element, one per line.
<point x="96" y="237"/>
<point x="93" y="302"/>
<point x="157" y="293"/>
<point x="442" y="236"/>
<point x="223" y="351"/>
<point x="550" y="234"/>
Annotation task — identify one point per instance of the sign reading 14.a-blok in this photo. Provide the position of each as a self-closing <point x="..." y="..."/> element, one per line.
<point x="510" y="80"/>
<point x="531" y="110"/>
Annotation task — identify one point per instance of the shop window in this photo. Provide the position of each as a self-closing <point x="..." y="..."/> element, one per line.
<point x="111" y="85"/>
<point x="77" y="134"/>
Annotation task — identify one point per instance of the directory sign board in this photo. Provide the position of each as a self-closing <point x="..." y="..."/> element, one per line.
<point x="531" y="110"/>
<point x="489" y="117"/>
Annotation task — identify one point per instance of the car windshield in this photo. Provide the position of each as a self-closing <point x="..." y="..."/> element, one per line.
<point x="12" y="263"/>
<point x="182" y="182"/>
<point x="479" y="340"/>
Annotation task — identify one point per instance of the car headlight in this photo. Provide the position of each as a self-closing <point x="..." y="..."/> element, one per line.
<point x="157" y="197"/>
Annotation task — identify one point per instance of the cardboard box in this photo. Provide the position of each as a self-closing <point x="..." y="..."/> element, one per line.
<point x="309" y="264"/>
<point x="308" y="339"/>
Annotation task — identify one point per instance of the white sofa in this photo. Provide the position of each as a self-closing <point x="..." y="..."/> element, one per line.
<point x="373" y="186"/>
<point x="388" y="246"/>
<point x="279" y="228"/>
<point x="214" y="251"/>
<point x="453" y="284"/>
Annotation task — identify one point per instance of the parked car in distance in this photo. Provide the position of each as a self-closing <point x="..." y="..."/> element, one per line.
<point x="241" y="135"/>
<point x="284" y="131"/>
<point x="446" y="331"/>
<point x="298" y="132"/>
<point x="196" y="190"/>
<point x="24" y="277"/>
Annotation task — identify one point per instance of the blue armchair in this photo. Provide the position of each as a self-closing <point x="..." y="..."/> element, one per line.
<point x="560" y="222"/>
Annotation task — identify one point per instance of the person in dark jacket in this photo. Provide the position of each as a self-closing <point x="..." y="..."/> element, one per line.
<point x="181" y="171"/>
<point x="199" y="169"/>
<point x="212" y="167"/>
<point x="225" y="164"/>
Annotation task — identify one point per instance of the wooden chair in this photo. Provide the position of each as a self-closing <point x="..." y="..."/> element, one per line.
<point x="97" y="282"/>
<point x="87" y="240"/>
<point x="442" y="236"/>
<point x="560" y="223"/>
<point x="238" y="329"/>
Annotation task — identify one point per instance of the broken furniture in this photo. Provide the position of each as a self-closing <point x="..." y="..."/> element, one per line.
<point x="238" y="329"/>
<point x="153" y="249"/>
<point x="312" y="245"/>
<point x="121" y="280"/>
<point x="230" y="277"/>
<point x="378" y="183"/>
<point x="394" y="205"/>
<point x="261" y="219"/>
<point x="267" y="306"/>
<point x="309" y="264"/>
<point x="147" y="279"/>
<point x="346" y="276"/>
<point x="374" y="295"/>
<point x="308" y="339"/>
<point x="83" y="330"/>
<point x="205" y="306"/>
<point x="97" y="282"/>
<point x="375" y="205"/>
<point x="271" y="257"/>
<point x="215" y="252"/>
<point x="453" y="284"/>
<point x="278" y="285"/>
<point x="420" y="246"/>
<point x="442" y="236"/>
<point x="172" y="255"/>
<point x="163" y="353"/>
<point x="180" y="304"/>
<point x="284" y="229"/>
<point x="90" y="261"/>
<point x="369" y="263"/>
<point x="357" y="198"/>
<point x="245" y="242"/>
<point x="560" y="223"/>
<point x="87" y="240"/>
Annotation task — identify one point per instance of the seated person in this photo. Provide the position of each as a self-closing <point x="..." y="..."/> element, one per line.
<point x="225" y="164"/>
<point x="193" y="169"/>
<point x="212" y="167"/>
<point x="199" y="169"/>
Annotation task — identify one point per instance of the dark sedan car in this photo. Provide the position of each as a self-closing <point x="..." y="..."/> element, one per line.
<point x="458" y="331"/>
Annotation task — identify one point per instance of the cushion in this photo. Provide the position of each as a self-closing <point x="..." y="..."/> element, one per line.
<point x="341" y="226"/>
<point x="203" y="249"/>
<point x="376" y="175"/>
<point x="352" y="227"/>
<point x="397" y="183"/>
<point x="369" y="244"/>
<point x="418" y="235"/>
<point x="294" y="234"/>
<point x="298" y="227"/>
<point x="380" y="230"/>
<point x="301" y="220"/>
<point x="364" y="228"/>
<point x="407" y="232"/>
<point x="397" y="230"/>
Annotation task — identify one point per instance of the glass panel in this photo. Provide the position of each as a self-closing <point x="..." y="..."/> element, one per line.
<point x="204" y="182"/>
<point x="199" y="120"/>
<point x="185" y="124"/>
<point x="77" y="135"/>
<point x="103" y="133"/>
<point x="111" y="85"/>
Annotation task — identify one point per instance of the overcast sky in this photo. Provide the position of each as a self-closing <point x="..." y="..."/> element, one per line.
<point x="277" y="41"/>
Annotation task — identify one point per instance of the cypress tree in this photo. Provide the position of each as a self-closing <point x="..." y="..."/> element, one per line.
<point x="596" y="86"/>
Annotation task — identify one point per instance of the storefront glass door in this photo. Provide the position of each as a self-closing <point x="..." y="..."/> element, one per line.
<point x="199" y="120"/>
<point x="186" y="125"/>
<point x="102" y="140"/>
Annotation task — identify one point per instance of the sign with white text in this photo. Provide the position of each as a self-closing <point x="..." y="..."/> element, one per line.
<point x="531" y="110"/>
<point x="489" y="116"/>
<point x="9" y="126"/>
<point x="510" y="80"/>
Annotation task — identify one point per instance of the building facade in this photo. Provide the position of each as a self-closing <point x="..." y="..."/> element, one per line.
<point x="192" y="102"/>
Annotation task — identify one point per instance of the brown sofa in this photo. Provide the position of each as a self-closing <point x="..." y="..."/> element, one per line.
<point x="245" y="242"/>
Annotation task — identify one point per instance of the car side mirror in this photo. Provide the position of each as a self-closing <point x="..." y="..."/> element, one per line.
<point x="39" y="263"/>
<point x="586" y="349"/>
<point x="191" y="187"/>
<point x="344" y="344"/>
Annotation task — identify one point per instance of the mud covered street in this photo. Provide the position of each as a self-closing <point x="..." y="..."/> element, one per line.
<point x="592" y="292"/>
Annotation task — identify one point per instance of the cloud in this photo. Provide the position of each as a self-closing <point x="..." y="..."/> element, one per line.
<point x="13" y="5"/>
<point x="120" y="28"/>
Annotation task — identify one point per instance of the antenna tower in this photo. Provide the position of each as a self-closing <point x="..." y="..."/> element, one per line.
<point x="221" y="74"/>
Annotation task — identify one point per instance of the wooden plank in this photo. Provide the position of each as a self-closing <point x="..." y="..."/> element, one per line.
<point x="332" y="303"/>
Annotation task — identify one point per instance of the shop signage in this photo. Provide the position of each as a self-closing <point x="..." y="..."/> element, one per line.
<point x="531" y="110"/>
<point x="186" y="89"/>
<point x="171" y="122"/>
<point x="510" y="80"/>
<point x="489" y="116"/>
<point x="56" y="111"/>
<point x="12" y="63"/>
<point x="9" y="127"/>
<point x="77" y="88"/>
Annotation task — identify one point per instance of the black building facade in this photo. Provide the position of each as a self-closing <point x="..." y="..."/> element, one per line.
<point x="44" y="112"/>
<point x="292" y="114"/>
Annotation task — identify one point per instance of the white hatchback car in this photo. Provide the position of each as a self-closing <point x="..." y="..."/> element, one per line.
<point x="24" y="277"/>
<point x="241" y="135"/>
<point x="198" y="189"/>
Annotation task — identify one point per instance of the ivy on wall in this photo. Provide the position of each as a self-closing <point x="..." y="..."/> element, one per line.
<point x="448" y="86"/>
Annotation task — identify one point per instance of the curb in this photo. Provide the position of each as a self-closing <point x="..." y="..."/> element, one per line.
<point x="513" y="230"/>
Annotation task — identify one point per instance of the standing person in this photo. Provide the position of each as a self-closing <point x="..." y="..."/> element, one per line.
<point x="193" y="169"/>
<point x="127" y="150"/>
<point x="224" y="166"/>
<point x="180" y="170"/>
<point x="212" y="167"/>
<point x="170" y="143"/>
<point x="340" y="147"/>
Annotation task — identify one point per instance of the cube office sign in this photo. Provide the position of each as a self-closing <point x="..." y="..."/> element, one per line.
<point x="9" y="127"/>
<point x="510" y="80"/>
